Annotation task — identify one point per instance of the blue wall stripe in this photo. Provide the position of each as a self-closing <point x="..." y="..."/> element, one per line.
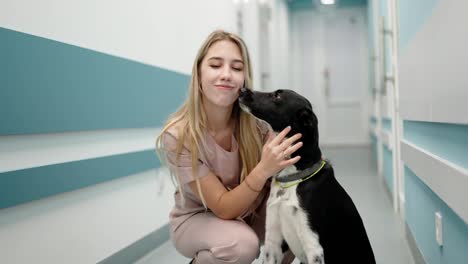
<point x="383" y="10"/>
<point x="26" y="185"/>
<point x="412" y="16"/>
<point x="387" y="124"/>
<point x="420" y="207"/>
<point x="448" y="141"/>
<point x="140" y="248"/>
<point x="48" y="86"/>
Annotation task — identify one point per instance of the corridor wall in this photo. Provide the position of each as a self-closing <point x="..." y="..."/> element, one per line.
<point x="434" y="149"/>
<point x="84" y="89"/>
<point x="380" y="116"/>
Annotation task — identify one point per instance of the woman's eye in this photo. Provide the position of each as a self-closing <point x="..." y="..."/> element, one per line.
<point x="237" y="69"/>
<point x="215" y="66"/>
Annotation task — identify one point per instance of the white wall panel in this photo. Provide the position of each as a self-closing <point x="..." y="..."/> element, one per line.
<point x="387" y="139"/>
<point x="28" y="151"/>
<point x="433" y="67"/>
<point x="446" y="179"/>
<point x="88" y="225"/>
<point x="157" y="32"/>
<point x="280" y="51"/>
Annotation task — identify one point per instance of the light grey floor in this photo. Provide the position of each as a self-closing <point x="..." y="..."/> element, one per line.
<point x="355" y="169"/>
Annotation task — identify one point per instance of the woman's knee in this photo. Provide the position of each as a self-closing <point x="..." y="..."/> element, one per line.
<point x="244" y="248"/>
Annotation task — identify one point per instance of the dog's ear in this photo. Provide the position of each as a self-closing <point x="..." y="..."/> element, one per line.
<point x="306" y="118"/>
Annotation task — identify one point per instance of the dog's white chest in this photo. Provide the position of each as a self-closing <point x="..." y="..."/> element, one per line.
<point x="284" y="207"/>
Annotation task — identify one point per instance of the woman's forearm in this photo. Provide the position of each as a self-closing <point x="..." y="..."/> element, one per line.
<point x="239" y="199"/>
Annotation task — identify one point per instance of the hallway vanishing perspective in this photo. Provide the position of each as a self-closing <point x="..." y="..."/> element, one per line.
<point x="87" y="86"/>
<point x="356" y="171"/>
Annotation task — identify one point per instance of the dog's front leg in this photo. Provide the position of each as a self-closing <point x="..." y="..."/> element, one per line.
<point x="272" y="253"/>
<point x="309" y="240"/>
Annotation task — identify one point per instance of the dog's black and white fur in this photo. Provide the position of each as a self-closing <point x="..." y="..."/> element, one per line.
<point x="316" y="219"/>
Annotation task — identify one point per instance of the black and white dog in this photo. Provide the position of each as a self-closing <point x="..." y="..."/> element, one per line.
<point x="308" y="211"/>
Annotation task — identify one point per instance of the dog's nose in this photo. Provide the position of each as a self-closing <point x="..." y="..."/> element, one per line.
<point x="245" y="92"/>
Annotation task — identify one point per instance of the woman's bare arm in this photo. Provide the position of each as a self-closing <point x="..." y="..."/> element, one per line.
<point x="227" y="204"/>
<point x="230" y="204"/>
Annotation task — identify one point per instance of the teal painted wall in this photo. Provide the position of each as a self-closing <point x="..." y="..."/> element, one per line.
<point x="48" y="86"/>
<point x="448" y="141"/>
<point x="387" y="124"/>
<point x="21" y="186"/>
<point x="412" y="15"/>
<point x="421" y="205"/>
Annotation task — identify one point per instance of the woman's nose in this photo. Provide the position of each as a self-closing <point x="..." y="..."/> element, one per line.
<point x="226" y="73"/>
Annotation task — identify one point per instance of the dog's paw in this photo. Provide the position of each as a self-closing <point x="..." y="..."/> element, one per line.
<point x="272" y="255"/>
<point x="317" y="259"/>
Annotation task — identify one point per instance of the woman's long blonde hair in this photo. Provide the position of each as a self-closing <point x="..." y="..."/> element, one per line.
<point x="192" y="121"/>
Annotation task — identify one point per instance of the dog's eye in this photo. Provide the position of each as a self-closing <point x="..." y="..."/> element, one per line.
<point x="277" y="94"/>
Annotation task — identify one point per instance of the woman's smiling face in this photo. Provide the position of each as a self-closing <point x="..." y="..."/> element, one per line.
<point x="222" y="74"/>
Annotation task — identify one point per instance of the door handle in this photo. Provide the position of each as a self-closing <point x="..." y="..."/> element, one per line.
<point x="326" y="77"/>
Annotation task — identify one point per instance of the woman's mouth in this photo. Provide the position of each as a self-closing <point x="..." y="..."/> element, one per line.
<point x="224" y="87"/>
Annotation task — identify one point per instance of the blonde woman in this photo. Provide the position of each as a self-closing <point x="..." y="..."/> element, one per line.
<point x="221" y="158"/>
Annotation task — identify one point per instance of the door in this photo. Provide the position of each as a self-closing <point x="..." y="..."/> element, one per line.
<point x="334" y="72"/>
<point x="264" y="42"/>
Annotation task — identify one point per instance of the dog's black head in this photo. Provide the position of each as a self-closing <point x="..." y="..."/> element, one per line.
<point x="280" y="109"/>
<point x="284" y="108"/>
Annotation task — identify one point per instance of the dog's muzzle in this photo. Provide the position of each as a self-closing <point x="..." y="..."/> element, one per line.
<point x="245" y="94"/>
<point x="245" y="97"/>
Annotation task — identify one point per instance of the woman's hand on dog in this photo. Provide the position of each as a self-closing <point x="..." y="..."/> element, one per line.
<point x="276" y="152"/>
